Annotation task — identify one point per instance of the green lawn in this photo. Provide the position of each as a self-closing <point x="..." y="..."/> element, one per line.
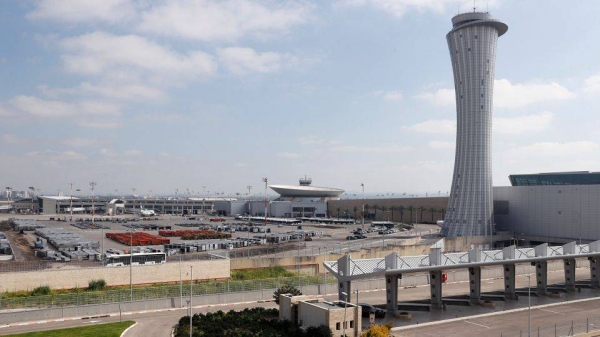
<point x="96" y="330"/>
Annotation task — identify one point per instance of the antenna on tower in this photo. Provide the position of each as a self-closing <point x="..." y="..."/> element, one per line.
<point x="474" y="6"/>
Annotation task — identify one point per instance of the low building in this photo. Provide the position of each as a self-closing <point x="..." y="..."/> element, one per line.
<point x="341" y="317"/>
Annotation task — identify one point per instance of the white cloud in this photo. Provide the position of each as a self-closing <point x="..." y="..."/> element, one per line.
<point x="45" y="108"/>
<point x="442" y="97"/>
<point x="288" y="155"/>
<point x="84" y="11"/>
<point x="98" y="52"/>
<point x="441" y="145"/>
<point x="392" y="95"/>
<point x="507" y="95"/>
<point x="240" y="165"/>
<point x="100" y="123"/>
<point x="10" y="138"/>
<point x="436" y="126"/>
<point x="240" y="60"/>
<point x="55" y="155"/>
<point x="80" y="142"/>
<point x="391" y="148"/>
<point x="399" y="8"/>
<point x="130" y="91"/>
<point x="223" y="20"/>
<point x="523" y="124"/>
<point x="554" y="149"/>
<point x="310" y="140"/>
<point x="128" y="153"/>
<point x="592" y="84"/>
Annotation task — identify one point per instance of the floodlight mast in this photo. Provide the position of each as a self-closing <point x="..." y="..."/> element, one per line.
<point x="266" y="180"/>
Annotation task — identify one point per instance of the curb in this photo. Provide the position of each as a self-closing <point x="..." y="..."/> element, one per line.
<point x="125" y="331"/>
<point x="415" y="326"/>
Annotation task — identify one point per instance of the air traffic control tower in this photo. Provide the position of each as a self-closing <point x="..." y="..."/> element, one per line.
<point x="472" y="43"/>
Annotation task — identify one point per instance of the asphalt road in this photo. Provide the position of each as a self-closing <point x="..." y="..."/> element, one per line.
<point x="159" y="324"/>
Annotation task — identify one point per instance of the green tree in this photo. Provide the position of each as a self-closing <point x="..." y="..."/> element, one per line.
<point x="401" y="209"/>
<point x="286" y="289"/>
<point x="383" y="210"/>
<point x="432" y="210"/>
<point x="367" y="207"/>
<point x="392" y="210"/>
<point x="375" y="208"/>
<point x="411" y="209"/>
<point x="355" y="209"/>
<point x="443" y="211"/>
<point x="421" y="210"/>
<point x="338" y="212"/>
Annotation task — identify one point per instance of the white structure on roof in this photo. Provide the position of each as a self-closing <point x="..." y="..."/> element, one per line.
<point x="305" y="190"/>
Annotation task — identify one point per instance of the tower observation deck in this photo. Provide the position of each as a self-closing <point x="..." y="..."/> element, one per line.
<point x="472" y="43"/>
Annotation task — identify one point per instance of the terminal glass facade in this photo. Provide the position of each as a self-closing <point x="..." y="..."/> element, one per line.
<point x="563" y="178"/>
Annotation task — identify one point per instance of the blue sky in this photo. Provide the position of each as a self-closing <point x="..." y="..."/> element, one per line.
<point x="165" y="95"/>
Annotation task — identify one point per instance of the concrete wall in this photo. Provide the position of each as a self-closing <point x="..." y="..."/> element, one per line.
<point x="72" y="278"/>
<point x="559" y="211"/>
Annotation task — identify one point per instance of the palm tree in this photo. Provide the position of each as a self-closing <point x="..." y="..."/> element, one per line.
<point x="401" y="209"/>
<point x="375" y="208"/>
<point x="432" y="210"/>
<point x="443" y="211"/>
<point x="355" y="209"/>
<point x="422" y="209"/>
<point x="383" y="210"/>
<point x="367" y="207"/>
<point x="338" y="212"/>
<point x="411" y="209"/>
<point x="393" y="209"/>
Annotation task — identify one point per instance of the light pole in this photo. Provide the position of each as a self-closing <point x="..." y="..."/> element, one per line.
<point x="529" y="305"/>
<point x="345" y="309"/>
<point x="191" y="307"/>
<point x="363" y="205"/>
<point x="180" y="283"/>
<point x="131" y="264"/>
<point x="356" y="315"/>
<point x="266" y="180"/>
<point x="71" y="207"/>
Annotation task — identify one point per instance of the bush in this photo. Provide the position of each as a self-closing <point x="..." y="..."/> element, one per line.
<point x="378" y="330"/>
<point x="41" y="290"/>
<point x="97" y="284"/>
<point x="286" y="289"/>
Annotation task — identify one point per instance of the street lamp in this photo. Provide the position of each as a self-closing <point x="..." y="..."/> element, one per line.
<point x="265" y="179"/>
<point x="191" y="307"/>
<point x="345" y="309"/>
<point x="363" y="204"/>
<point x="131" y="264"/>
<point x="529" y="305"/>
<point x="71" y="206"/>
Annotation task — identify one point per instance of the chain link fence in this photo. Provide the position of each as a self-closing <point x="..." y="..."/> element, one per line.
<point x="199" y="288"/>
<point x="567" y="328"/>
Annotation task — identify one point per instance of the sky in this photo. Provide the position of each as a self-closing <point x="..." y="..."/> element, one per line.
<point x="212" y="96"/>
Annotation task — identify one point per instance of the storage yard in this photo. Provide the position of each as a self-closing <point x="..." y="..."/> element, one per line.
<point x="36" y="238"/>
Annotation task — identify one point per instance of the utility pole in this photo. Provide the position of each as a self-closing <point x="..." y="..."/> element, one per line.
<point x="265" y="179"/>
<point x="191" y="307"/>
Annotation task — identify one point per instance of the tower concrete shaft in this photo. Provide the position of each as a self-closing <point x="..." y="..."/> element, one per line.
<point x="472" y="44"/>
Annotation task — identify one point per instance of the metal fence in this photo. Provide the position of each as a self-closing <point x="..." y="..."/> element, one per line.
<point x="567" y="328"/>
<point x="126" y="294"/>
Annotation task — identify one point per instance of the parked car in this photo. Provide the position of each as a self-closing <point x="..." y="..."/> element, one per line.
<point x="350" y="237"/>
<point x="367" y="309"/>
<point x="360" y="236"/>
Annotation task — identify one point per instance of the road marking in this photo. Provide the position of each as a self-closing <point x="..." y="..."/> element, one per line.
<point x="554" y="312"/>
<point x="487" y="327"/>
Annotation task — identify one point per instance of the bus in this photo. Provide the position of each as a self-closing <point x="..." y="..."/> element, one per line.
<point x="119" y="260"/>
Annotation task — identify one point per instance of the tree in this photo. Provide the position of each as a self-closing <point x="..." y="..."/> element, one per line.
<point x="401" y="209"/>
<point x="383" y="210"/>
<point x="443" y="211"/>
<point x="432" y="210"/>
<point x="375" y="208"/>
<point x="378" y="330"/>
<point x="421" y="210"/>
<point x="338" y="212"/>
<point x="411" y="209"/>
<point x="286" y="289"/>
<point x="367" y="207"/>
<point x="392" y="210"/>
<point x="355" y="209"/>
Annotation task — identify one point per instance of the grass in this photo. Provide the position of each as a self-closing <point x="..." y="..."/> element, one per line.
<point x="261" y="273"/>
<point x="97" y="330"/>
